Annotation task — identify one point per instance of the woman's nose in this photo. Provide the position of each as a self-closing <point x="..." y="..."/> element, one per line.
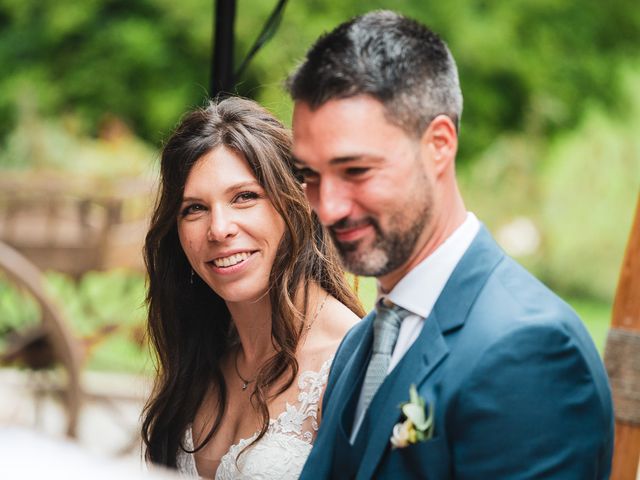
<point x="222" y="225"/>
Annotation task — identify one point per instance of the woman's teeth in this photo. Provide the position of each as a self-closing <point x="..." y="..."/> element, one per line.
<point x="231" y="260"/>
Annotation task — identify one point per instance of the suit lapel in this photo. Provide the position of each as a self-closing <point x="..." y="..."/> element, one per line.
<point x="416" y="366"/>
<point x="428" y="351"/>
<point x="466" y="281"/>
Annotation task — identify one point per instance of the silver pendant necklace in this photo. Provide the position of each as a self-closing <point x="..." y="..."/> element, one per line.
<point x="245" y="382"/>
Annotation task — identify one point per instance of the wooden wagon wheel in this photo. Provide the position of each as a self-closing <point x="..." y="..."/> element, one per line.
<point x="50" y="344"/>
<point x="622" y="358"/>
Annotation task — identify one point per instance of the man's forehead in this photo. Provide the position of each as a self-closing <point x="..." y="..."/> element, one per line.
<point x="343" y="130"/>
<point x="336" y="118"/>
<point x="300" y="111"/>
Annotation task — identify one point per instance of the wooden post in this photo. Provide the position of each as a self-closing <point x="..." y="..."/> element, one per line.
<point x="624" y="371"/>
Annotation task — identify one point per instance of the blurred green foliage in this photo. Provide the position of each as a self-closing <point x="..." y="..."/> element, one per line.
<point x="525" y="65"/>
<point x="107" y="312"/>
<point x="579" y="190"/>
<point x="18" y="311"/>
<point x="592" y="182"/>
<point x="44" y="145"/>
<point x="104" y="310"/>
<point x="142" y="61"/>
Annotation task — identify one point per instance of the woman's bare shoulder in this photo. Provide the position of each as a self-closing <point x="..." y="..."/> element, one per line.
<point x="336" y="320"/>
<point x="333" y="322"/>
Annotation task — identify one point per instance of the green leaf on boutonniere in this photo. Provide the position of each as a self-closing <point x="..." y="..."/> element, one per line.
<point x="414" y="397"/>
<point x="414" y="410"/>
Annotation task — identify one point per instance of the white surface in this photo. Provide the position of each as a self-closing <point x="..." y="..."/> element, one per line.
<point x="27" y="454"/>
<point x="32" y="444"/>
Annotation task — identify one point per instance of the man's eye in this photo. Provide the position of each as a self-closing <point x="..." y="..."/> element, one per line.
<point x="306" y="175"/>
<point x="356" y="171"/>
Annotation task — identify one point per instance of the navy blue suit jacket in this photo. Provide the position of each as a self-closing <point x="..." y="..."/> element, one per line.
<point x="517" y="386"/>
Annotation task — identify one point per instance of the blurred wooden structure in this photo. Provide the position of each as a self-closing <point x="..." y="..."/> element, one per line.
<point x="46" y="365"/>
<point x="622" y="358"/>
<point x="48" y="347"/>
<point x="74" y="225"/>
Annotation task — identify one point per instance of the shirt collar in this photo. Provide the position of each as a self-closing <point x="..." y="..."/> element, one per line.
<point x="419" y="289"/>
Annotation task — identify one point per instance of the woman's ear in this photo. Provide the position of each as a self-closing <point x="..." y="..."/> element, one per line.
<point x="441" y="141"/>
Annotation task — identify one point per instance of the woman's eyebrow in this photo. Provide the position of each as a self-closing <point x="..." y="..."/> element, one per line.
<point x="241" y="185"/>
<point x="231" y="188"/>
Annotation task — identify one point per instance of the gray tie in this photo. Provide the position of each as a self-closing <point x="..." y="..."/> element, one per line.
<point x="386" y="326"/>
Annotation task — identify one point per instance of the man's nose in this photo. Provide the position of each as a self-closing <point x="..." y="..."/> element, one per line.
<point x="333" y="202"/>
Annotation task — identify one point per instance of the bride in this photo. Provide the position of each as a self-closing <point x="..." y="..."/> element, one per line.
<point x="247" y="301"/>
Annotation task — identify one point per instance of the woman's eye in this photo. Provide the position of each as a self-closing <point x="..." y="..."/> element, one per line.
<point x="191" y="209"/>
<point x="246" y="197"/>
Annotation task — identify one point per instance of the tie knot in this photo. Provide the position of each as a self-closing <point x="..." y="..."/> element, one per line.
<point x="386" y="326"/>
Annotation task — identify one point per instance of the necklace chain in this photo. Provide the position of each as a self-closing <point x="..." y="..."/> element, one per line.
<point x="317" y="312"/>
<point x="245" y="382"/>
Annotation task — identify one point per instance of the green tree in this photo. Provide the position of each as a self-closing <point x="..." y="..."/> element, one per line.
<point x="526" y="65"/>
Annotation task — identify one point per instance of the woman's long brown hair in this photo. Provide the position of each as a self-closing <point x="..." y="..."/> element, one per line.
<point x="189" y="325"/>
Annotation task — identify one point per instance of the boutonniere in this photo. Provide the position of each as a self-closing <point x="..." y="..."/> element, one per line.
<point x="417" y="426"/>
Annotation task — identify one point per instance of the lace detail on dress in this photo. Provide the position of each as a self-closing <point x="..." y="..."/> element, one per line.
<point x="302" y="420"/>
<point x="186" y="462"/>
<point x="283" y="450"/>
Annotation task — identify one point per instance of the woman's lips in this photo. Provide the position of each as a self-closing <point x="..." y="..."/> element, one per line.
<point x="231" y="259"/>
<point x="225" y="266"/>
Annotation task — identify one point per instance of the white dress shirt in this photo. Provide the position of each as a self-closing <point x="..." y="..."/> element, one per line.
<point x="418" y="291"/>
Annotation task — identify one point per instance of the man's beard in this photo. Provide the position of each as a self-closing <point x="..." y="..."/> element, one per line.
<point x="389" y="250"/>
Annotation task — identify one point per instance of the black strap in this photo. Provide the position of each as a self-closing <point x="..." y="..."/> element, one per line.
<point x="269" y="29"/>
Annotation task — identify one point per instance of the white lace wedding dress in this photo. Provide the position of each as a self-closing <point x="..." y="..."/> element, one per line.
<point x="280" y="454"/>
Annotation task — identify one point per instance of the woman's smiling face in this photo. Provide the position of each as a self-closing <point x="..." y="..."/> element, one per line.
<point x="228" y="227"/>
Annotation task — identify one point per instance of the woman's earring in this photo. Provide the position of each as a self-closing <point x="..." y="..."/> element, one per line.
<point x="191" y="279"/>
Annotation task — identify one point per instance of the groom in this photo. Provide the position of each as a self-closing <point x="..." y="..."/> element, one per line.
<point x="508" y="384"/>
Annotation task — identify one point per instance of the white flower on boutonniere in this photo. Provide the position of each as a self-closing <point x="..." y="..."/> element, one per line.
<point x="417" y="426"/>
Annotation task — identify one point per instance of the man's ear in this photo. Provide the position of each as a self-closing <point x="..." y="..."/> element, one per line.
<point x="441" y="141"/>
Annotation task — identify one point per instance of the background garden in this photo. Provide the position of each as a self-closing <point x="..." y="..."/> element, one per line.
<point x="549" y="156"/>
